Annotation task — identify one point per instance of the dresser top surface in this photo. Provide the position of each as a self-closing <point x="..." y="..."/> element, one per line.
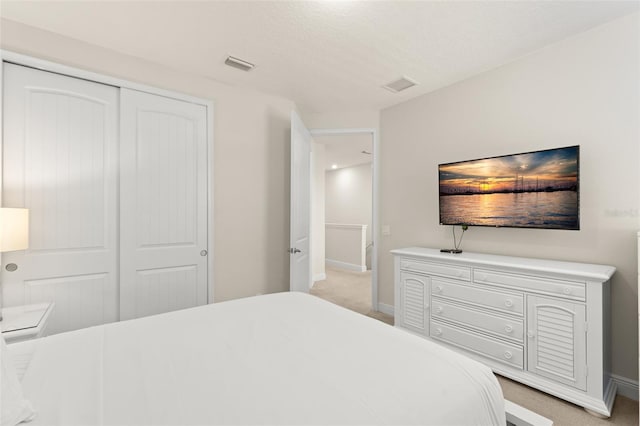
<point x="583" y="270"/>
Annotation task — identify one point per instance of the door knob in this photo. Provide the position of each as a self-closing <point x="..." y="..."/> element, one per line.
<point x="203" y="253"/>
<point x="11" y="267"/>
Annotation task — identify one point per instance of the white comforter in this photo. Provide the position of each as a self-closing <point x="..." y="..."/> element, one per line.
<point x="280" y="359"/>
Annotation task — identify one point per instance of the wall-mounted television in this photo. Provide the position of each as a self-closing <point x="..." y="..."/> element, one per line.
<point x="537" y="189"/>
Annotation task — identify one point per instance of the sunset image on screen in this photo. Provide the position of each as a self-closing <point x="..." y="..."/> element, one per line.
<point x="538" y="189"/>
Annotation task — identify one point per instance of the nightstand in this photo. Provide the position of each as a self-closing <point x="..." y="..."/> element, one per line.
<point x="25" y="322"/>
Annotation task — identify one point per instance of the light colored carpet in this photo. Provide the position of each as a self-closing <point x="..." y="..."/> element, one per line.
<point x="352" y="290"/>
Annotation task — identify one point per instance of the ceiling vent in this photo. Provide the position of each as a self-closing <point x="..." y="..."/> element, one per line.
<point x="399" y="85"/>
<point x="239" y="63"/>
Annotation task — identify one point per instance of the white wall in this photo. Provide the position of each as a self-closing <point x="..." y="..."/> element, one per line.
<point x="369" y="119"/>
<point x="348" y="196"/>
<point x="583" y="90"/>
<point x="346" y="246"/>
<point x="317" y="212"/>
<point x="251" y="158"/>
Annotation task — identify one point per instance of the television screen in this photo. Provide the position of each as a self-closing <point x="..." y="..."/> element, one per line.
<point x="530" y="190"/>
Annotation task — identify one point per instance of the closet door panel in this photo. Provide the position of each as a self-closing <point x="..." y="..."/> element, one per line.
<point x="60" y="162"/>
<point x="163" y="204"/>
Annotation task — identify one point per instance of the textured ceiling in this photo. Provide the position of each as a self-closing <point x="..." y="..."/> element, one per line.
<point x="323" y="55"/>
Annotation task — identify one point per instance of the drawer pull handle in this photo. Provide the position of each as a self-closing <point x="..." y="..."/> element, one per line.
<point x="566" y="290"/>
<point x="508" y="328"/>
<point x="439" y="309"/>
<point x="438" y="332"/>
<point x="438" y="289"/>
<point x="508" y="355"/>
<point x="508" y="303"/>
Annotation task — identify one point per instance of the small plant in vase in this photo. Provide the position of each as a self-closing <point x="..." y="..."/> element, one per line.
<point x="456" y="243"/>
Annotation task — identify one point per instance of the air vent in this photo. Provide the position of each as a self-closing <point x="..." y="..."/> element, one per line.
<point x="399" y="85"/>
<point x="239" y="63"/>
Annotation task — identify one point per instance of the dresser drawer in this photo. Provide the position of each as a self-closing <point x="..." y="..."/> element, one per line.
<point x="506" y="353"/>
<point x="568" y="289"/>
<point x="457" y="272"/>
<point x="506" y="302"/>
<point x="509" y="328"/>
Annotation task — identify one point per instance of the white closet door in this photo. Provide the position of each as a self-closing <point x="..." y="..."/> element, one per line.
<point x="163" y="210"/>
<point x="59" y="161"/>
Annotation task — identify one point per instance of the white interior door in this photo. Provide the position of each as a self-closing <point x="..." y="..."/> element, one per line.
<point x="163" y="189"/>
<point x="300" y="223"/>
<point x="60" y="161"/>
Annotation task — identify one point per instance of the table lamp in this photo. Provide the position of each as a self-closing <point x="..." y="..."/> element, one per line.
<point x="14" y="233"/>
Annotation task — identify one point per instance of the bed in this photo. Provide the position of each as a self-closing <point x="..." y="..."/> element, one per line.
<point x="280" y="359"/>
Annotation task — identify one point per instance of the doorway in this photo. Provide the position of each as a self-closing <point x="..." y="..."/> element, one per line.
<point x="343" y="217"/>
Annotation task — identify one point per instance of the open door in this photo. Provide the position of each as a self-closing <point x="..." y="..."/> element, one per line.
<point x="300" y="223"/>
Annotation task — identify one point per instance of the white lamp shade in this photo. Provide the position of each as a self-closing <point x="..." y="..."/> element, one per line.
<point x="14" y="229"/>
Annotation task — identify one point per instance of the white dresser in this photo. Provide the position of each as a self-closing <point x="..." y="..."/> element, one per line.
<point x="541" y="322"/>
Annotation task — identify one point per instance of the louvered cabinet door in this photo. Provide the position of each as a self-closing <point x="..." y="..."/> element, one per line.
<point x="556" y="340"/>
<point x="414" y="291"/>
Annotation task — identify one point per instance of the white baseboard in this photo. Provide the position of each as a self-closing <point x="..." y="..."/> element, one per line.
<point x="319" y="277"/>
<point x="345" y="265"/>
<point x="626" y="387"/>
<point x="386" y="309"/>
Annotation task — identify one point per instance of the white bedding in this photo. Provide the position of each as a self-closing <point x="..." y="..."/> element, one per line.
<point x="286" y="358"/>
